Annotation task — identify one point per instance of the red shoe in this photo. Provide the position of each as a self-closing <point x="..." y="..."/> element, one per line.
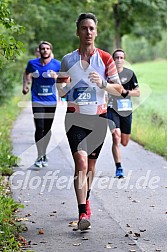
<point x="83" y="223"/>
<point x="88" y="210"/>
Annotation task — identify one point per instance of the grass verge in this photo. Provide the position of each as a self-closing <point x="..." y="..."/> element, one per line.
<point x="9" y="224"/>
<point x="150" y="118"/>
<point x="8" y="113"/>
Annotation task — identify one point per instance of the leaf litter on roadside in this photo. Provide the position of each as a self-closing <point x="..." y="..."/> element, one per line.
<point x="73" y="223"/>
<point x="76" y="244"/>
<point x="21" y="219"/>
<point x="108" y="246"/>
<point x="41" y="232"/>
<point x="84" y="238"/>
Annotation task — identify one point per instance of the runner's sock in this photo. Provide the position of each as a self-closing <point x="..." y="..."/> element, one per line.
<point x="118" y="165"/>
<point x="82" y="208"/>
<point x="88" y="194"/>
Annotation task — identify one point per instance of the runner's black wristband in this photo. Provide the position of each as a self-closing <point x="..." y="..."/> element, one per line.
<point x="126" y="94"/>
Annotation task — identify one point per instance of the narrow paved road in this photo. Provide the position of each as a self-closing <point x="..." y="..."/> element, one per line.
<point x="128" y="214"/>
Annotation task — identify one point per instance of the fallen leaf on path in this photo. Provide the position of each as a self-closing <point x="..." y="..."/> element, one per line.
<point x="142" y="230"/>
<point x="84" y="238"/>
<point x="22" y="241"/>
<point x="132" y="244"/>
<point x="73" y="223"/>
<point x="27" y="215"/>
<point x="108" y="246"/>
<point x="76" y="244"/>
<point x="24" y="228"/>
<point x="137" y="234"/>
<point x="41" y="232"/>
<point x="22" y="219"/>
<point x="145" y="239"/>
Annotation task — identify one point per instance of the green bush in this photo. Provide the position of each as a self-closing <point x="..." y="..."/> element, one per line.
<point x="9" y="227"/>
<point x="7" y="159"/>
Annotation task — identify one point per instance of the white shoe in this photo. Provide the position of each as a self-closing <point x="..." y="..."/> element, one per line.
<point x="45" y="161"/>
<point x="38" y="163"/>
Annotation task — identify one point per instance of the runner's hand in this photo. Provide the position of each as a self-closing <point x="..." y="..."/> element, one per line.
<point x="95" y="78"/>
<point x="25" y="90"/>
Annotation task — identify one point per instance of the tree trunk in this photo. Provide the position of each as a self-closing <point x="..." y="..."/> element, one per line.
<point x="118" y="37"/>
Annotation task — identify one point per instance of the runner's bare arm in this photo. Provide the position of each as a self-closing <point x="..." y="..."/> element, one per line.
<point x="27" y="79"/>
<point x="114" y="88"/>
<point x="135" y="92"/>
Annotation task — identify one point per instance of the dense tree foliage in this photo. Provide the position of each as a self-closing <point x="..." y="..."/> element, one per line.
<point x="10" y="47"/>
<point x="55" y="20"/>
<point x="142" y="18"/>
<point x="133" y="24"/>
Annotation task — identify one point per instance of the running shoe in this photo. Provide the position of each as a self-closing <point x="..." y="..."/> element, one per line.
<point x="45" y="161"/>
<point x="38" y="163"/>
<point x="119" y="173"/>
<point x="88" y="210"/>
<point x="83" y="223"/>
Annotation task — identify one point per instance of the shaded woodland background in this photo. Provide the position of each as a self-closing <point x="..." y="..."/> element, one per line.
<point x="138" y="26"/>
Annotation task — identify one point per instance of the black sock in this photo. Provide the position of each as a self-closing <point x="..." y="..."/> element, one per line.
<point x="88" y="194"/>
<point x="82" y="209"/>
<point x="118" y="165"/>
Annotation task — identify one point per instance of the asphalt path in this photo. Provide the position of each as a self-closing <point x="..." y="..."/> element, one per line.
<point x="128" y="214"/>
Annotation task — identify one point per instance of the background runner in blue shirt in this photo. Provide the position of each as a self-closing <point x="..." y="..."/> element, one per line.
<point x="42" y="74"/>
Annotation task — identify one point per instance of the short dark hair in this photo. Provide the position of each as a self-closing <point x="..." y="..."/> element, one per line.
<point x="83" y="16"/>
<point x="47" y="43"/>
<point x="117" y="50"/>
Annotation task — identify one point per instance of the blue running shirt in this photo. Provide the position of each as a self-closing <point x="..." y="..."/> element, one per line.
<point x="43" y="89"/>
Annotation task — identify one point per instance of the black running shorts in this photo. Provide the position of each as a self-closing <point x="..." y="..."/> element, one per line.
<point x="86" y="132"/>
<point x="119" y="121"/>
